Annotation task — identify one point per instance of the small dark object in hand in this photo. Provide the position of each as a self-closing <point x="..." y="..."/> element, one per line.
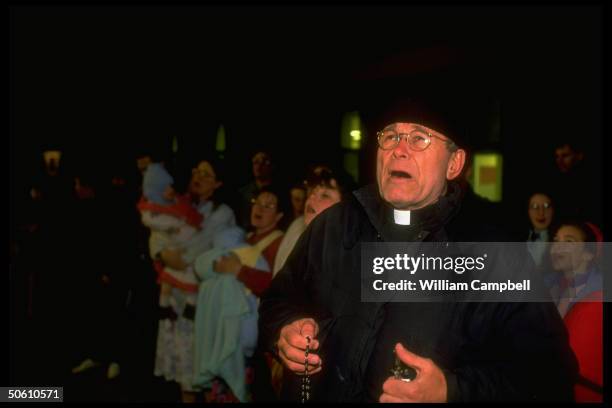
<point x="403" y="372"/>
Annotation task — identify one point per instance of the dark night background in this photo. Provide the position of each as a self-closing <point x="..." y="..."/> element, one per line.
<point x="103" y="82"/>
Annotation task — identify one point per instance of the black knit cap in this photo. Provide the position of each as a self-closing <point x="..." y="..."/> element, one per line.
<point x="446" y="115"/>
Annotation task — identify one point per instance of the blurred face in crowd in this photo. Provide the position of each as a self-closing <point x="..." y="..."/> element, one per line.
<point x="568" y="253"/>
<point x="142" y="163"/>
<point x="566" y="158"/>
<point x="409" y="179"/>
<point x="541" y="211"/>
<point x="203" y="181"/>
<point x="262" y="166"/>
<point x="83" y="190"/>
<point x="264" y="212"/>
<point x="298" y="197"/>
<point x="319" y="199"/>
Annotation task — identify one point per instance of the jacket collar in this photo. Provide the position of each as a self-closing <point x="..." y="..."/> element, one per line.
<point x="423" y="221"/>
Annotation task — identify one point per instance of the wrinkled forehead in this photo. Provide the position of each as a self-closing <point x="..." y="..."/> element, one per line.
<point x="407" y="127"/>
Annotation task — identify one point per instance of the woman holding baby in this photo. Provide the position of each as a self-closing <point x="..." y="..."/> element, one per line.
<point x="174" y="354"/>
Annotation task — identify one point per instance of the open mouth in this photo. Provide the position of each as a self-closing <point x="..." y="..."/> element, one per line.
<point x="310" y="210"/>
<point x="399" y="174"/>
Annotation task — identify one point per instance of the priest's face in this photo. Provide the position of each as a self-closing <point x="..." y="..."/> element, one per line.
<point x="409" y="179"/>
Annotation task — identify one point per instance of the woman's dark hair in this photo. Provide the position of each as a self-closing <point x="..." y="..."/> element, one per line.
<point x="322" y="175"/>
<point x="283" y="204"/>
<point x="539" y="191"/>
<point x="267" y="152"/>
<point x="297" y="184"/>
<point x="218" y="167"/>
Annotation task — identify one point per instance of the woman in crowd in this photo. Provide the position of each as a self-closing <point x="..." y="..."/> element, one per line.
<point x="324" y="188"/>
<point x="578" y="293"/>
<point x="175" y="348"/>
<point x="297" y="194"/>
<point x="541" y="212"/>
<point x="268" y="209"/>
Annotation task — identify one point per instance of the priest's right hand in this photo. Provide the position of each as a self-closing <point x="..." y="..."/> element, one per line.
<point x="292" y="346"/>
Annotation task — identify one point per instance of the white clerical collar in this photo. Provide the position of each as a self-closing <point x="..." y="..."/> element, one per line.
<point x="401" y="217"/>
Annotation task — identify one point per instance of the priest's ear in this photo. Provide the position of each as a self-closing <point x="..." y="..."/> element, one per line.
<point x="455" y="164"/>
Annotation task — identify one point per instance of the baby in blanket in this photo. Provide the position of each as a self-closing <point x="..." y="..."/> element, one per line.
<point x="226" y="316"/>
<point x="173" y="222"/>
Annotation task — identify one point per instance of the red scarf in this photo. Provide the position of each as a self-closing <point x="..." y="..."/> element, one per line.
<point x="181" y="209"/>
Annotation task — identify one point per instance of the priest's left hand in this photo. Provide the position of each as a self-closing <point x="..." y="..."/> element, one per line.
<point x="428" y="386"/>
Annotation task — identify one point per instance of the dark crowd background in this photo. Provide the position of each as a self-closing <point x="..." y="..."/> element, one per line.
<point x="106" y="83"/>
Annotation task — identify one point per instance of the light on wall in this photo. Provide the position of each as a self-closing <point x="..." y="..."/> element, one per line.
<point x="487" y="175"/>
<point x="174" y="144"/>
<point x="220" y="143"/>
<point x="350" y="137"/>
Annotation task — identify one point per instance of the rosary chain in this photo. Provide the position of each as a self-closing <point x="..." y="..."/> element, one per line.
<point x="306" y="376"/>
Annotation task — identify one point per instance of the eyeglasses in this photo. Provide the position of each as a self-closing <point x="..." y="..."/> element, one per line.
<point x="418" y="140"/>
<point x="265" y="206"/>
<point x="536" y="206"/>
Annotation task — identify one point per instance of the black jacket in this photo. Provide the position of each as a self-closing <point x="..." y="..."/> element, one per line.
<point x="487" y="351"/>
